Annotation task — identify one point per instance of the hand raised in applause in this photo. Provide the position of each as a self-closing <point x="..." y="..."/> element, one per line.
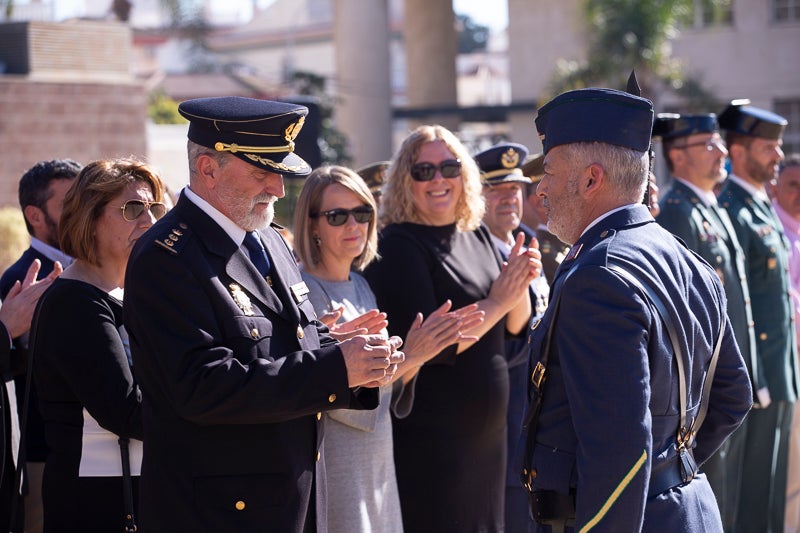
<point x="425" y="339"/>
<point x="523" y="266"/>
<point x="373" y="322"/>
<point x="371" y="360"/>
<point x="20" y="303"/>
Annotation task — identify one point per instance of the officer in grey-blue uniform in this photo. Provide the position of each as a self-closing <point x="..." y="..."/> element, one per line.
<point x="233" y="365"/>
<point x="503" y="189"/>
<point x="695" y="156"/>
<point x="619" y="361"/>
<point x="753" y="136"/>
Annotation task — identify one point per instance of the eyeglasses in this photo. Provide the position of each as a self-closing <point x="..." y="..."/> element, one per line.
<point x="710" y="144"/>
<point x="337" y="217"/>
<point x="133" y="209"/>
<point x="449" y="168"/>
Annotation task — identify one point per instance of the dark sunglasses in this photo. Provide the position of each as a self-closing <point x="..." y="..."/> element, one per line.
<point x="133" y="209"/>
<point x="337" y="217"/>
<point x="449" y="168"/>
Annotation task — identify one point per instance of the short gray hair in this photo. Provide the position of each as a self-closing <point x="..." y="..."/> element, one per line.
<point x="627" y="170"/>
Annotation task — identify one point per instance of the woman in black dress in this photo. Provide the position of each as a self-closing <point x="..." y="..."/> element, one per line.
<point x="450" y="452"/>
<point x="87" y="394"/>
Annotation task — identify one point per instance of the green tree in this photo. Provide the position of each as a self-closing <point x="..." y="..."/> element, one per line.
<point x="163" y="110"/>
<point x="628" y="34"/>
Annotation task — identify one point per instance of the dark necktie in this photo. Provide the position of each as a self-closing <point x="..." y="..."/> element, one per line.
<point x="258" y="256"/>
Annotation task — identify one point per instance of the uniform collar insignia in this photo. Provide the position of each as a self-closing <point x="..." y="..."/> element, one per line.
<point x="241" y="299"/>
<point x="573" y="252"/>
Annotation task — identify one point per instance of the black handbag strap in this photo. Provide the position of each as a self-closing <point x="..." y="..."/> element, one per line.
<point x="127" y="486"/>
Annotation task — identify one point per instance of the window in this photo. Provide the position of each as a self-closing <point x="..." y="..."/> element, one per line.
<point x="707" y="13"/>
<point x="790" y="110"/>
<point x="785" y="10"/>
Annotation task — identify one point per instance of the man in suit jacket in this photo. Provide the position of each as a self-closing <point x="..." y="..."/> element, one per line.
<point x="614" y="445"/>
<point x="695" y="155"/>
<point x="754" y="141"/>
<point x="16" y="312"/>
<point x="233" y="365"/>
<point x="41" y="196"/>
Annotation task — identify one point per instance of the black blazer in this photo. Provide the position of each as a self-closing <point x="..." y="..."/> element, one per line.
<point x="234" y="374"/>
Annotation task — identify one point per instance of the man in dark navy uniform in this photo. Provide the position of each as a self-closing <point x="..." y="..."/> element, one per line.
<point x="616" y="428"/>
<point x="233" y="365"/>
<point x="754" y="141"/>
<point x="503" y="189"/>
<point x="695" y="155"/>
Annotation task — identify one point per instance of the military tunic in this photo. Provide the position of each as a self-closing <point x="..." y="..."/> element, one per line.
<point x="766" y="449"/>
<point x="707" y="230"/>
<point x="234" y="371"/>
<point x="610" y="410"/>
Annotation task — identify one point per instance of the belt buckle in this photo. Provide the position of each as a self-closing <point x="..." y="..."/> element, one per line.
<point x="537" y="376"/>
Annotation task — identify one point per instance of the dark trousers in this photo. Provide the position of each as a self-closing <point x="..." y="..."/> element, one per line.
<point x="762" y="499"/>
<point x="724" y="473"/>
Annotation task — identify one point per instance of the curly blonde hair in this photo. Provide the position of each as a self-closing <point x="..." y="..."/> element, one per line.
<point x="397" y="201"/>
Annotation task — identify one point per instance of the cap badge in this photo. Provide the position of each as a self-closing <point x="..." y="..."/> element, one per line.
<point x="241" y="299"/>
<point x="293" y="129"/>
<point x="510" y="158"/>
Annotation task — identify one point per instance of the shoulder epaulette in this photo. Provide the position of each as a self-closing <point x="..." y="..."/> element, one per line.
<point x="175" y="239"/>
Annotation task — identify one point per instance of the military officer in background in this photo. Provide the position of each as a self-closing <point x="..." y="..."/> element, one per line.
<point x="695" y="156"/>
<point x="534" y="219"/>
<point x="233" y="365"/>
<point x="374" y="175"/>
<point x="753" y="137"/>
<point x="615" y="431"/>
<point x="503" y="188"/>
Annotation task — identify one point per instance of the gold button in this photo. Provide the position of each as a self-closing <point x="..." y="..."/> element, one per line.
<point x="254" y="333"/>
<point x="533" y="473"/>
<point x="319" y="416"/>
<point x="331" y="398"/>
<point x="763" y="336"/>
<point x="300" y="333"/>
<point x="319" y="455"/>
<point x="604" y="234"/>
<point x="239" y="505"/>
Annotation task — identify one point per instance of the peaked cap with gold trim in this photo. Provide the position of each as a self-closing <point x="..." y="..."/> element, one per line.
<point x="502" y="164"/>
<point x="374" y="175"/>
<point x="260" y="132"/>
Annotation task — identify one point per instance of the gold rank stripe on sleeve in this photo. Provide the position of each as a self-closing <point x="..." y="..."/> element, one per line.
<point x="615" y="495"/>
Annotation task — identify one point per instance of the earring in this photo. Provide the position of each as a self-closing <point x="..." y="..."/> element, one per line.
<point x="317" y="240"/>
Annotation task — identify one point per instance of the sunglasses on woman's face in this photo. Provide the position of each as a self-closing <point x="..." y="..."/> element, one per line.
<point x="133" y="209"/>
<point x="337" y="217"/>
<point x="449" y="168"/>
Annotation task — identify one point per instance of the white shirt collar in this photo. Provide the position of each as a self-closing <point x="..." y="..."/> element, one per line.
<point x="228" y="226"/>
<point x="604" y="215"/>
<point x="707" y="197"/>
<point x="50" y="252"/>
<point x="755" y="192"/>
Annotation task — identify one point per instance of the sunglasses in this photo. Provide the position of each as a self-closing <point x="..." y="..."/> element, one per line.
<point x="133" y="209"/>
<point x="337" y="217"/>
<point x="449" y="168"/>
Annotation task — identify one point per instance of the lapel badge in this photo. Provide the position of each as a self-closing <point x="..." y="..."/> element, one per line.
<point x="241" y="299"/>
<point x="573" y="252"/>
<point x="299" y="292"/>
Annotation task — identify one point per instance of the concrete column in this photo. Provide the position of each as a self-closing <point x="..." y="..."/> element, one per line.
<point x="364" y="113"/>
<point x="431" y="46"/>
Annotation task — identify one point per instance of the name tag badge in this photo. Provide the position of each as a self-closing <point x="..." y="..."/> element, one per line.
<point x="299" y="292"/>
